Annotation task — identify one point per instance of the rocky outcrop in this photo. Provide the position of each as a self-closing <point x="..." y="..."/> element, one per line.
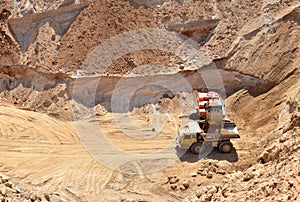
<point x="198" y="30"/>
<point x="129" y="92"/>
<point x="25" y="29"/>
<point x="8" y="51"/>
<point x="115" y="93"/>
<point x="287" y="144"/>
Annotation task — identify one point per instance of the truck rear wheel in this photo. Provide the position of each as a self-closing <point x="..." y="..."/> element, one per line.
<point x="196" y="147"/>
<point x="225" y="147"/>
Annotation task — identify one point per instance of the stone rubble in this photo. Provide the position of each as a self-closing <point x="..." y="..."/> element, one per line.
<point x="10" y="192"/>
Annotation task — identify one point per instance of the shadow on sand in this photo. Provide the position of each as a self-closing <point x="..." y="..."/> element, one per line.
<point x="187" y="156"/>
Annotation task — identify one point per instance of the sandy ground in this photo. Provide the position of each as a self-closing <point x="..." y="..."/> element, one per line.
<point x="46" y="154"/>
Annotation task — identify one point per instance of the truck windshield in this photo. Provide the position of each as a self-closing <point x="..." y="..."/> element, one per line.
<point x="186" y="137"/>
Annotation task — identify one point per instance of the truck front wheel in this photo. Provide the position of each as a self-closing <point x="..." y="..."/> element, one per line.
<point x="196" y="147"/>
<point x="226" y="147"/>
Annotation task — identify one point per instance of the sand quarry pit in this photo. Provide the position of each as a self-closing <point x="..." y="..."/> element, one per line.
<point x="92" y="99"/>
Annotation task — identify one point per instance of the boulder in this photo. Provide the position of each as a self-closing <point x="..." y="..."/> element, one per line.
<point x="174" y="180"/>
<point x="9" y="184"/>
<point x="33" y="197"/>
<point x="203" y="173"/>
<point x="212" y="190"/>
<point x="198" y="193"/>
<point x="173" y="186"/>
<point x="4" y="178"/>
<point x="221" y="172"/>
<point x="291" y="183"/>
<point x="186" y="184"/>
<point x="18" y="190"/>
<point x="248" y="176"/>
<point x="193" y="174"/>
<point x="182" y="187"/>
<point x="209" y="175"/>
<point x="47" y="197"/>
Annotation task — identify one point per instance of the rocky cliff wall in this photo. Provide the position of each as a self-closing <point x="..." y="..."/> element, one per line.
<point x="25" y="29"/>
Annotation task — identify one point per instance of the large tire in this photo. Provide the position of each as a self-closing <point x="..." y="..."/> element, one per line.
<point x="196" y="147"/>
<point x="226" y="147"/>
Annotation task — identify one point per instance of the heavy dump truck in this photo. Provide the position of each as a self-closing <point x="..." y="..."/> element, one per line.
<point x="211" y="128"/>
